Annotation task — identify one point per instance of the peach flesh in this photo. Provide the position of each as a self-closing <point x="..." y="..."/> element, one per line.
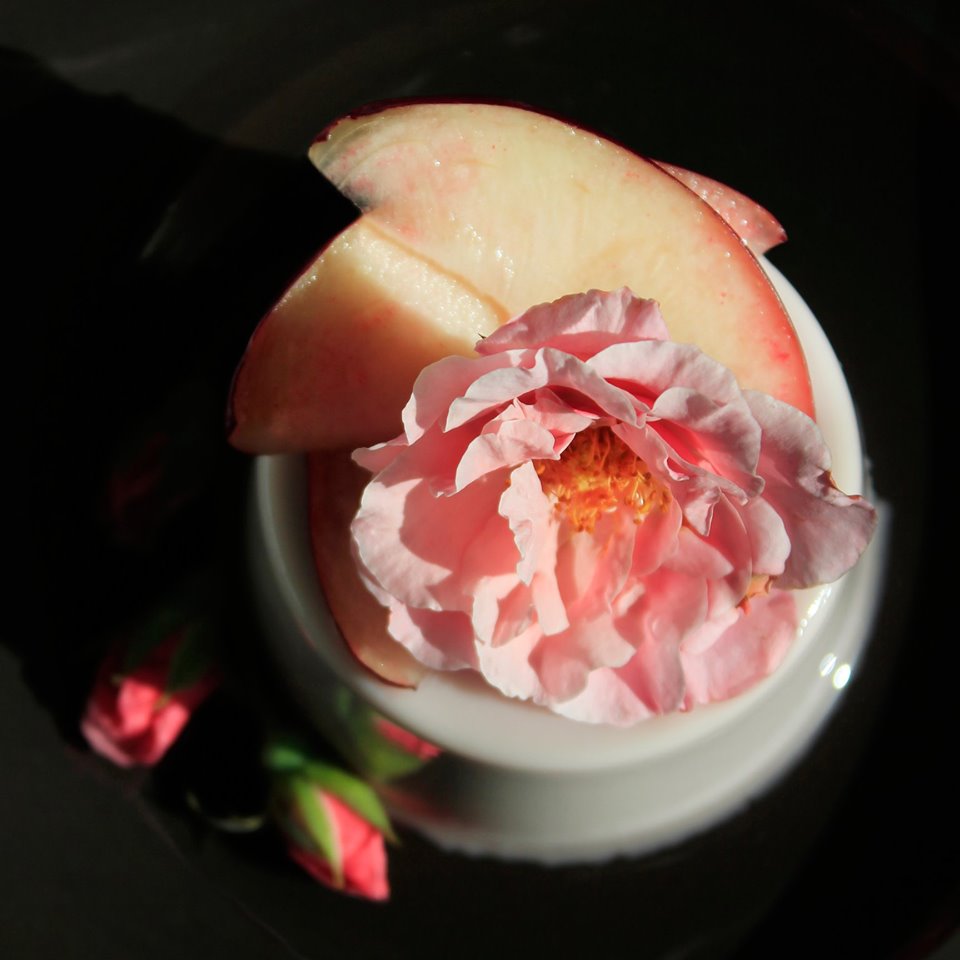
<point x="472" y="213"/>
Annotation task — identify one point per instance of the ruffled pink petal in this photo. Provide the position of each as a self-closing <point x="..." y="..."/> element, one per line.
<point x="700" y="640"/>
<point x="655" y="675"/>
<point x="722" y="561"/>
<point x="514" y="442"/>
<point x="605" y="698"/>
<point x="655" y="539"/>
<point x="507" y="666"/>
<point x="828" y="530"/>
<point x="412" y="542"/>
<point x="552" y="615"/>
<point x="530" y="516"/>
<point x="535" y="529"/>
<point x="769" y="543"/>
<point x="500" y="616"/>
<point x="441" y="640"/>
<point x="533" y="371"/>
<point x="695" y="490"/>
<point x="553" y="414"/>
<point x="726" y="437"/>
<point x="502" y="605"/>
<point x="563" y="661"/>
<point x="434" y="458"/>
<point x="699" y="558"/>
<point x="592" y="568"/>
<point x="380" y="456"/>
<point x="744" y="653"/>
<point x="671" y="605"/>
<point x="438" y="386"/>
<point x="652" y="367"/>
<point x="581" y="324"/>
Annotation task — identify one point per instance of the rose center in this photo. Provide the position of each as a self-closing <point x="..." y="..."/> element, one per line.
<point x="597" y="474"/>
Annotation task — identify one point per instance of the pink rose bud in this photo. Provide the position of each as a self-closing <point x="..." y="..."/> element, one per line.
<point x="334" y="826"/>
<point x="145" y="693"/>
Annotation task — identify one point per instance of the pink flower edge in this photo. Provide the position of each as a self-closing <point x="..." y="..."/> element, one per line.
<point x="598" y="519"/>
<point x="405" y="740"/>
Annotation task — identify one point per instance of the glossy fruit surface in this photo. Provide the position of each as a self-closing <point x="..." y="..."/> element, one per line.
<point x="471" y="213"/>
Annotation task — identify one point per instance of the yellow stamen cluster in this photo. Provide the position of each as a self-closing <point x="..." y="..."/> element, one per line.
<point x="596" y="474"/>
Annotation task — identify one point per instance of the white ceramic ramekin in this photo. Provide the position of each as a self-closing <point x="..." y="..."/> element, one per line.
<point x="517" y="781"/>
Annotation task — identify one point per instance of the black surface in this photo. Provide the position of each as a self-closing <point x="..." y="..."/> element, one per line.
<point x="842" y="123"/>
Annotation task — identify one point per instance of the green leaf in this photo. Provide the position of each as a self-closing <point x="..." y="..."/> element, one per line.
<point x="318" y="824"/>
<point x="368" y="750"/>
<point x="192" y="658"/>
<point x="283" y="756"/>
<point x="151" y="633"/>
<point x="357" y="795"/>
<point x="174" y="613"/>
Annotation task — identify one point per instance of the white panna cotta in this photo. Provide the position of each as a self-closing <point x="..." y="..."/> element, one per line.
<point x="515" y="780"/>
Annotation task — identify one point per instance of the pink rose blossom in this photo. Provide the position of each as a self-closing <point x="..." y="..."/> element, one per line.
<point x="598" y="519"/>
<point x="133" y="719"/>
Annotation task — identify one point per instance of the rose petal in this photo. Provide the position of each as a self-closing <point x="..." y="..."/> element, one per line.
<point x="769" y="543"/>
<point x="655" y="366"/>
<point x="564" y="660"/>
<point x="507" y="666"/>
<point x="744" y="653"/>
<point x="531" y="518"/>
<point x="514" y="442"/>
<point x="580" y="324"/>
<point x="534" y="371"/>
<point x="498" y="619"/>
<point x="592" y="568"/>
<point x="381" y="455"/>
<point x="551" y="412"/>
<point x="655" y="539"/>
<point x="655" y="675"/>
<point x="441" y="640"/>
<point x="725" y="437"/>
<point x="828" y="530"/>
<point x="696" y="491"/>
<point x="412" y="542"/>
<point x="670" y="607"/>
<point x="606" y="698"/>
<point x="722" y="561"/>
<point x="436" y="388"/>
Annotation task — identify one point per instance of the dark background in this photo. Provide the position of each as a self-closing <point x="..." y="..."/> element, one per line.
<point x="143" y="253"/>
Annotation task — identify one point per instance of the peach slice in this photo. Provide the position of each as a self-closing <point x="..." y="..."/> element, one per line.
<point x="334" y="361"/>
<point x="756" y="226"/>
<point x="335" y="484"/>
<point x="471" y="214"/>
<point x="525" y="208"/>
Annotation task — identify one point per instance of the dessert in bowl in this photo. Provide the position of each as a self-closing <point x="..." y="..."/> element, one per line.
<point x="473" y="215"/>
